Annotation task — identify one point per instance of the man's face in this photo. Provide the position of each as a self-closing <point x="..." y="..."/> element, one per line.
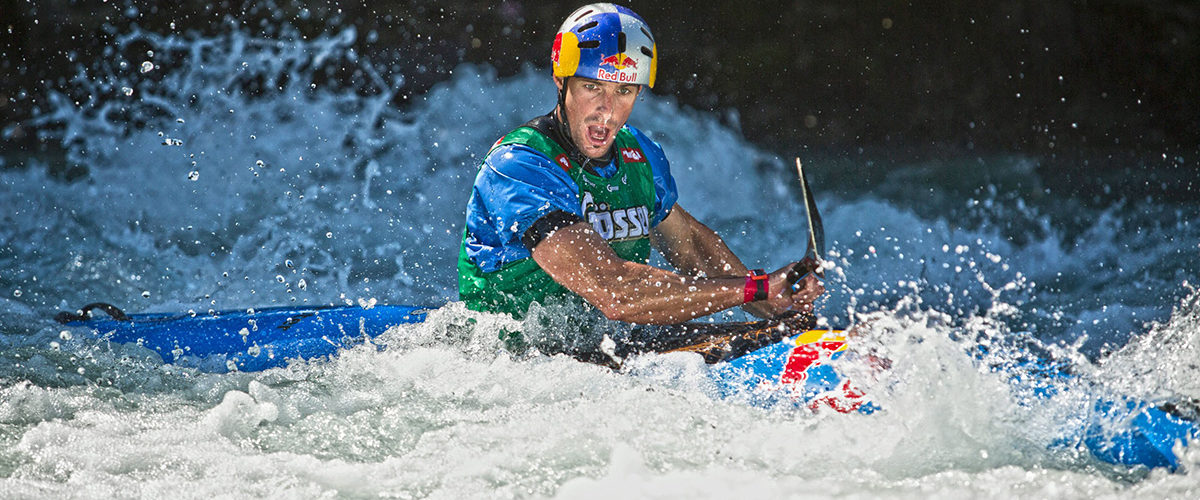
<point x="596" y="110"/>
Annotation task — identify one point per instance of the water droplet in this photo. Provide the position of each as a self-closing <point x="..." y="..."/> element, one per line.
<point x="289" y="264"/>
<point x="145" y="294"/>
<point x="259" y="163"/>
<point x="329" y="234"/>
<point x="147" y="67"/>
<point x="127" y="91"/>
<point x="65" y="335"/>
<point x="193" y="175"/>
<point x="17" y="293"/>
<point x="303" y="285"/>
<point x="279" y="278"/>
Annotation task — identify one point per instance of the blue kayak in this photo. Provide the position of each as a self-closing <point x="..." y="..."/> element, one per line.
<point x="250" y="340"/>
<point x="774" y="361"/>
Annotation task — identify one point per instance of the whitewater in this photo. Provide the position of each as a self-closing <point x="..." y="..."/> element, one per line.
<point x="241" y="171"/>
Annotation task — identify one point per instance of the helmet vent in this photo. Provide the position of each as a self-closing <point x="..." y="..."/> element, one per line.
<point x="589" y="44"/>
<point x="621" y="42"/>
<point x="587" y="26"/>
<point x="646" y="50"/>
<point x="647" y="33"/>
<point x="583" y="15"/>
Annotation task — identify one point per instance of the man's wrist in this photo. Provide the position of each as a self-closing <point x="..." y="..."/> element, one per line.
<point x="757" y="286"/>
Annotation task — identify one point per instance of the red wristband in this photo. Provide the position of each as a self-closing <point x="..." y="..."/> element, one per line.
<point x="756" y="286"/>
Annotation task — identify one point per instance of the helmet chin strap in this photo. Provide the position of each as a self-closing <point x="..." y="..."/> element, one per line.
<point x="562" y="110"/>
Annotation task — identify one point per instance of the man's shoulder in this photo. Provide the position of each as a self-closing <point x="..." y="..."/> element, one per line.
<point x="536" y="134"/>
<point x="522" y="164"/>
<point x="638" y="133"/>
<point x="519" y="156"/>
<point x="642" y="138"/>
<point x="653" y="151"/>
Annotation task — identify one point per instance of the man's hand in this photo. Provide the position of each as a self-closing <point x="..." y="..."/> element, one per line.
<point x="783" y="299"/>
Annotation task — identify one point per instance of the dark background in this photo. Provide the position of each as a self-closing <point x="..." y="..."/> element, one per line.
<point x="1097" y="92"/>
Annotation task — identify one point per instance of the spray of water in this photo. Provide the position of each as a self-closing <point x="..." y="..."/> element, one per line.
<point x="238" y="171"/>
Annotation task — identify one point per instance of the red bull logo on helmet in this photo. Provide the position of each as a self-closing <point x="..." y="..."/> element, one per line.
<point x="617" y="76"/>
<point x="619" y="62"/>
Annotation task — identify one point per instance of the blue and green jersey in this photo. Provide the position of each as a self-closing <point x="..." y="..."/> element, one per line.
<point x="527" y="176"/>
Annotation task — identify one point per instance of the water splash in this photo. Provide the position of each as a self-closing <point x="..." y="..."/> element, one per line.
<point x="309" y="184"/>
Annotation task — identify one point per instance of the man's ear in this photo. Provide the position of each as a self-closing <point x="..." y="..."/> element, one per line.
<point x="558" y="82"/>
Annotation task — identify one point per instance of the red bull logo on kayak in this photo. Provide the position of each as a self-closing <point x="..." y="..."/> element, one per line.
<point x="813" y="349"/>
<point x="808" y="354"/>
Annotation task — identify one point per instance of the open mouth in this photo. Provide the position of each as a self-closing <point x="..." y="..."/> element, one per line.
<point x="597" y="135"/>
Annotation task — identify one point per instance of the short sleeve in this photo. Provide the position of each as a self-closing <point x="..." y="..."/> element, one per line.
<point x="515" y="186"/>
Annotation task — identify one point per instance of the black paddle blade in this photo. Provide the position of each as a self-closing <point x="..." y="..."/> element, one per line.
<point x="816" y="230"/>
<point x="85" y="313"/>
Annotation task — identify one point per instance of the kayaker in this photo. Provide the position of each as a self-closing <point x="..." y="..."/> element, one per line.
<point x="569" y="205"/>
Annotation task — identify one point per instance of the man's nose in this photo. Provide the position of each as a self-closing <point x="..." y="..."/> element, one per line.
<point x="607" y="104"/>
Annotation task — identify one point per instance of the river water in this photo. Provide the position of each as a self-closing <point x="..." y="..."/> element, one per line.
<point x="236" y="172"/>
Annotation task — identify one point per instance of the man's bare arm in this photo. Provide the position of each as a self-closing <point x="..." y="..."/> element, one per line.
<point x="580" y="260"/>
<point x="693" y="248"/>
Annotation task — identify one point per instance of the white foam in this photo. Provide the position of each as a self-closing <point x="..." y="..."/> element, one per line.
<point x="358" y="201"/>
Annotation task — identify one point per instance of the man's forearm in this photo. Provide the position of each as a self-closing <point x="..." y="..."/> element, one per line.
<point x="646" y="294"/>
<point x="696" y="250"/>
<point x="628" y="291"/>
<point x="714" y="258"/>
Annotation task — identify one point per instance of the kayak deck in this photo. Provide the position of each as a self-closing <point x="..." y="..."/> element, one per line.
<point x="775" y="362"/>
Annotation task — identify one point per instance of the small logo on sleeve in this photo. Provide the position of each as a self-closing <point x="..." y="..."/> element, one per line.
<point x="632" y="155"/>
<point x="563" y="162"/>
